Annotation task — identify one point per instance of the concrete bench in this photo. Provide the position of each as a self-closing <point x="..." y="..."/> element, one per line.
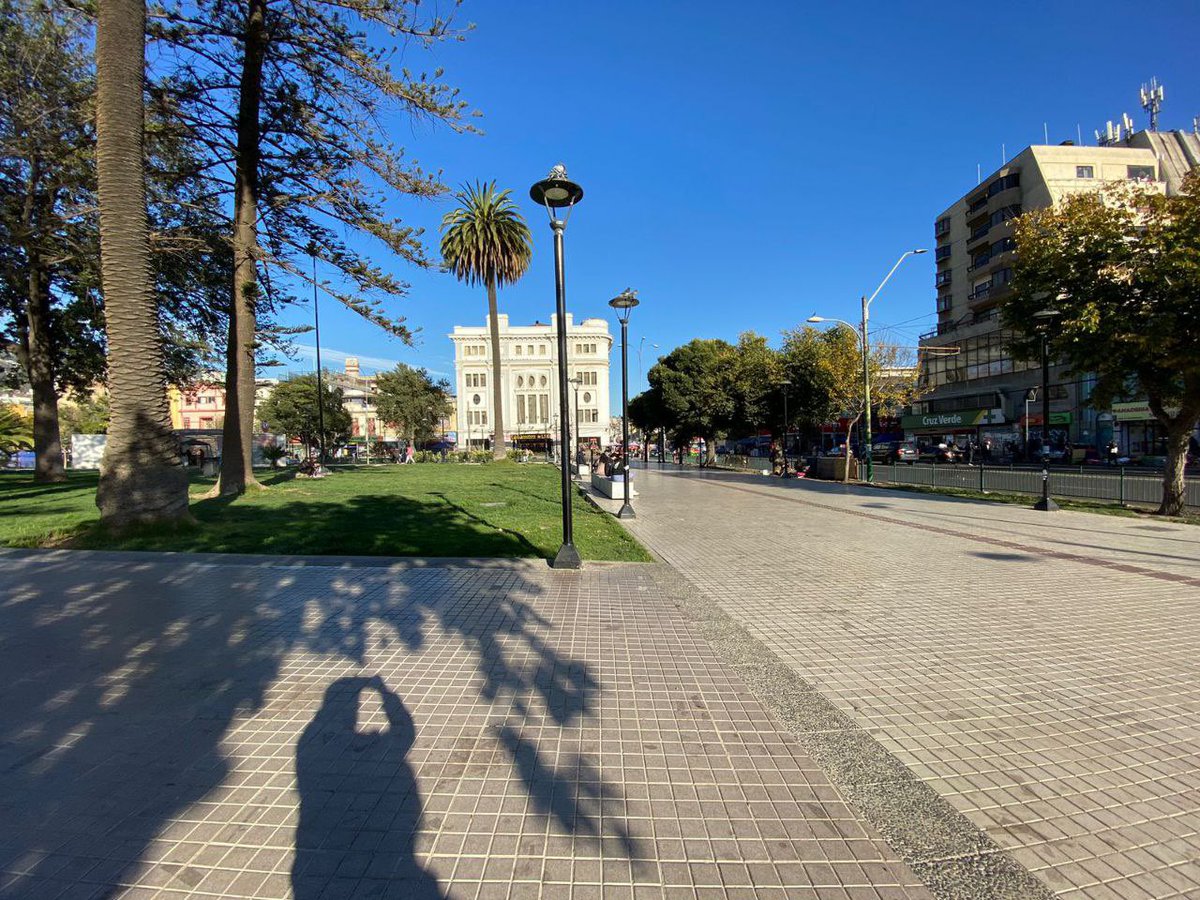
<point x="583" y="470"/>
<point x="613" y="487"/>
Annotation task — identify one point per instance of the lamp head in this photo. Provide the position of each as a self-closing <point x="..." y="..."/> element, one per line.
<point x="624" y="303"/>
<point x="814" y="319"/>
<point x="556" y="191"/>
<point x="919" y="251"/>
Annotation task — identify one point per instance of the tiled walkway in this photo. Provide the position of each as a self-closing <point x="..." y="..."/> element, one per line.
<point x="1038" y="671"/>
<point x="175" y="728"/>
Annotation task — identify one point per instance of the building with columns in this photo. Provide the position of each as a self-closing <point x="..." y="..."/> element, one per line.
<point x="529" y="380"/>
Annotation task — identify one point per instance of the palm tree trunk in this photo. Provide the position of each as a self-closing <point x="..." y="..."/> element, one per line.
<point x="237" y="441"/>
<point x="499" y="451"/>
<point x="141" y="476"/>
<point x="37" y="355"/>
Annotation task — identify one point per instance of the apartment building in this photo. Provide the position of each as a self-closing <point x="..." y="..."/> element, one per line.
<point x="981" y="392"/>
<point x="529" y="380"/>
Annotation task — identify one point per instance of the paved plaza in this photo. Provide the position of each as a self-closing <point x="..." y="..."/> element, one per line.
<point x="823" y="691"/>
<point x="1038" y="672"/>
<point x="175" y="726"/>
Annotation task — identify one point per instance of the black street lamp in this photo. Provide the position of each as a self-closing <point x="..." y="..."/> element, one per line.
<point x="557" y="192"/>
<point x="785" y="384"/>
<point x="624" y="303"/>
<point x="1044" y="318"/>
<point x="576" y="382"/>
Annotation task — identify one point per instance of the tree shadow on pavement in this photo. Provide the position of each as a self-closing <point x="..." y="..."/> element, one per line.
<point x="127" y="688"/>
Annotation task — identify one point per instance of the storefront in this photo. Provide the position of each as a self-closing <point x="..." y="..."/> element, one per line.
<point x="1138" y="433"/>
<point x="961" y="428"/>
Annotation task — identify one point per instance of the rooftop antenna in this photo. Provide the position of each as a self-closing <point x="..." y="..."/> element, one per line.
<point x="1003" y="155"/>
<point x="1079" y="134"/>
<point x="1128" y="123"/>
<point x="1196" y="124"/>
<point x="1046" y="132"/>
<point x="979" y="168"/>
<point x="1152" y="101"/>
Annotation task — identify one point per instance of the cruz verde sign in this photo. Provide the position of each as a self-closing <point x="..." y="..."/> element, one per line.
<point x="964" y="418"/>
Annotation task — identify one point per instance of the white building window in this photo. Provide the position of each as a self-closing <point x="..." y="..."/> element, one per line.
<point x="519" y="349"/>
<point x="541" y="349"/>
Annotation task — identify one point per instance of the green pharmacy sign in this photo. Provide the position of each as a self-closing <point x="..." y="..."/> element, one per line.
<point x="963" y="418"/>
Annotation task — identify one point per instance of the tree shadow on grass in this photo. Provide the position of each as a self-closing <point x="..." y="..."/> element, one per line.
<point x="130" y="690"/>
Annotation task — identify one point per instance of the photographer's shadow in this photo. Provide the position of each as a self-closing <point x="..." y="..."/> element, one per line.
<point x="338" y="765"/>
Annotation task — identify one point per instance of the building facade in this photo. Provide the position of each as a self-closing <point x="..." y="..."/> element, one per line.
<point x="529" y="382"/>
<point x="981" y="392"/>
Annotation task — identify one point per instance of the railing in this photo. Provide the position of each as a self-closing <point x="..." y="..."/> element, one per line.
<point x="979" y="233"/>
<point x="1120" y="485"/>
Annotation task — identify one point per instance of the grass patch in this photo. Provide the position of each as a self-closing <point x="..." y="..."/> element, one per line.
<point x="497" y="510"/>
<point x="1092" y="506"/>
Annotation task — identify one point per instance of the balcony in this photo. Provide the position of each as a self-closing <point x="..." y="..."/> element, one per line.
<point x="978" y="235"/>
<point x="941" y="227"/>
<point x="941" y="253"/>
<point x="942" y="279"/>
<point x="980" y="293"/>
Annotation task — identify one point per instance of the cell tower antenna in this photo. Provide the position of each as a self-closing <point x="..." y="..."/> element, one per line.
<point x="1079" y="134"/>
<point x="978" y="173"/>
<point x="1046" y="132"/>
<point x="1003" y="155"/>
<point x="1196" y="124"/>
<point x="1127" y="121"/>
<point x="1152" y="100"/>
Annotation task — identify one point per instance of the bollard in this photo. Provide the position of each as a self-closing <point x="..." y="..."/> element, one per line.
<point x="982" y="490"/>
<point x="1121" y="490"/>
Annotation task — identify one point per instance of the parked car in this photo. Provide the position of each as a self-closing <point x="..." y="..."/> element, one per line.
<point x="937" y="453"/>
<point x="896" y="452"/>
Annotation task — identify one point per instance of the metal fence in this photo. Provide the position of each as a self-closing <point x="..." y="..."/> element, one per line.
<point x="1122" y="485"/>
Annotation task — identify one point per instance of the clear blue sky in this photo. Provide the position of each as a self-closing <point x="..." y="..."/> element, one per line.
<point x="747" y="164"/>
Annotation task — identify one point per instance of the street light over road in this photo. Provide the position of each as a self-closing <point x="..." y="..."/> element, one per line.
<point x="556" y="192"/>
<point x="866" y="359"/>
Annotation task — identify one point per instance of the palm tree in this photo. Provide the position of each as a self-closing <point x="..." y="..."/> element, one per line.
<point x="16" y="431"/>
<point x="485" y="241"/>
<point x="141" y="476"/>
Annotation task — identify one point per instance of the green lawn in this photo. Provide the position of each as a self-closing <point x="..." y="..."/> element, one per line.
<point x="499" y="509"/>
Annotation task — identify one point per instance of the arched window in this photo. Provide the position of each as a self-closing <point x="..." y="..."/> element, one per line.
<point x="520" y="378"/>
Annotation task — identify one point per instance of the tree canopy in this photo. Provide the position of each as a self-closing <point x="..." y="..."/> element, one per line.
<point x="411" y="401"/>
<point x="291" y="409"/>
<point x="1122" y="267"/>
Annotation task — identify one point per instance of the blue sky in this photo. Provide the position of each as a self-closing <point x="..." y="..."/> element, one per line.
<point x="747" y="164"/>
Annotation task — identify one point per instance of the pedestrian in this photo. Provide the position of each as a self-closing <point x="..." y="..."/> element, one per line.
<point x="1111" y="453"/>
<point x="408" y="454"/>
<point x="603" y="465"/>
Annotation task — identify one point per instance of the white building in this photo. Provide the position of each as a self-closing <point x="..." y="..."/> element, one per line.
<point x="529" y="373"/>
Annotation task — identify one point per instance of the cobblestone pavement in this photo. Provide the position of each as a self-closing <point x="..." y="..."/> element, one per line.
<point x="1038" y="671"/>
<point x="173" y="726"/>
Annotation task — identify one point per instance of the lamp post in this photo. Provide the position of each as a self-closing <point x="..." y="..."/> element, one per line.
<point x="576" y="382"/>
<point x="866" y="359"/>
<point x="1044" y="318"/>
<point x="785" y="384"/>
<point x="624" y="303"/>
<point x="557" y="192"/>
<point x="312" y="252"/>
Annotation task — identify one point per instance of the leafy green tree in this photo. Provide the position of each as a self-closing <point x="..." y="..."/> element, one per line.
<point x="292" y="98"/>
<point x="411" y="401"/>
<point x="694" y="382"/>
<point x="648" y="414"/>
<point x="291" y="409"/>
<point x="1123" y="268"/>
<point x="755" y="386"/>
<point x="485" y="241"/>
<point x="836" y="383"/>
